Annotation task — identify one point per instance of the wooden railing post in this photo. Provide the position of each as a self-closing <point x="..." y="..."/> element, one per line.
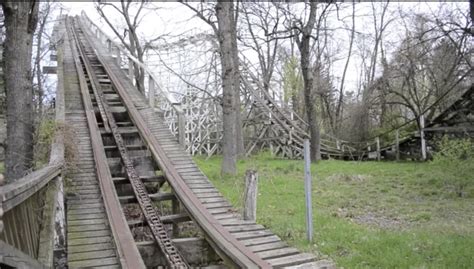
<point x="422" y="137"/>
<point x="377" y="141"/>
<point x="117" y="54"/>
<point x="397" y="145"/>
<point x="130" y="69"/>
<point x="250" y="195"/>
<point x="181" y="129"/>
<point x="151" y="91"/>
<point x="109" y="45"/>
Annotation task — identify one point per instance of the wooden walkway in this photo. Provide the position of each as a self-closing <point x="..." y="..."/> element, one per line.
<point x="260" y="240"/>
<point x="90" y="243"/>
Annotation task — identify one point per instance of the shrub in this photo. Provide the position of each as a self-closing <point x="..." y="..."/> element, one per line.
<point x="455" y="158"/>
<point x="45" y="135"/>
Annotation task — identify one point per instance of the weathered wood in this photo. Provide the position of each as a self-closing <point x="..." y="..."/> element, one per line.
<point x="268" y="246"/>
<point x="377" y="141"/>
<point x="13" y="257"/>
<point x="181" y="129"/>
<point x="151" y="92"/>
<point x="277" y="253"/>
<point x="17" y="192"/>
<point x="397" y="145"/>
<point x="291" y="260"/>
<point x="127" y="250"/>
<point x="250" y="195"/>
<point x="196" y="250"/>
<point x="422" y="137"/>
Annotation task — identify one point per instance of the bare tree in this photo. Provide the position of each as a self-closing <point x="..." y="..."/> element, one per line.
<point x="41" y="50"/>
<point x="302" y="32"/>
<point x="261" y="21"/>
<point x="339" y="105"/>
<point x="132" y="14"/>
<point x="20" y="23"/>
<point x="429" y="64"/>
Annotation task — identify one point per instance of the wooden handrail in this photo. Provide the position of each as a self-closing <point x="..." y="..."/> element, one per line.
<point x="17" y="192"/>
<point x="123" y="50"/>
<point x="153" y="79"/>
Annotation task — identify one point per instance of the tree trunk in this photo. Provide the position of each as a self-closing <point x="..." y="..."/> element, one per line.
<point x="315" y="136"/>
<point x="308" y="81"/>
<point x="20" y="22"/>
<point x="229" y="93"/>
<point x="236" y="79"/>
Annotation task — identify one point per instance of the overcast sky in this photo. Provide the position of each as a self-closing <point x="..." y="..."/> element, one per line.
<point x="175" y="19"/>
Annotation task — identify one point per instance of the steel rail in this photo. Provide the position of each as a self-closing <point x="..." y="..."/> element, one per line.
<point x="172" y="255"/>
<point x="229" y="248"/>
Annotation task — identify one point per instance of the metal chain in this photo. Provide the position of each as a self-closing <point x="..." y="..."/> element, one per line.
<point x="172" y="255"/>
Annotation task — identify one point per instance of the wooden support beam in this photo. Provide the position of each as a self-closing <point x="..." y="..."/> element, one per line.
<point x="250" y="195"/>
<point x="130" y="69"/>
<point x="12" y="257"/>
<point x="377" y="141"/>
<point x="397" y="145"/>
<point x="422" y="138"/>
<point x="196" y="250"/>
<point x="49" y="70"/>
<point x="181" y="129"/>
<point x="151" y="91"/>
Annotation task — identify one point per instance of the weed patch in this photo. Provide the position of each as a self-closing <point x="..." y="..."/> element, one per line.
<point x="366" y="214"/>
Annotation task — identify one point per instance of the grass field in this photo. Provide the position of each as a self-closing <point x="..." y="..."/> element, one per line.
<point x="2" y="168"/>
<point x="367" y="215"/>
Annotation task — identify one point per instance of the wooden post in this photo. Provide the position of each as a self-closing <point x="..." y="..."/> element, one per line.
<point x="117" y="53"/>
<point x="397" y="145"/>
<point x="175" y="209"/>
<point x="377" y="141"/>
<point x="307" y="188"/>
<point x="422" y="137"/>
<point x="151" y="92"/>
<point x="250" y="195"/>
<point x="181" y="129"/>
<point x="130" y="69"/>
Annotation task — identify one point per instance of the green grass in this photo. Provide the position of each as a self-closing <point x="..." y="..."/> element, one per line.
<point x="366" y="214"/>
<point x="2" y="168"/>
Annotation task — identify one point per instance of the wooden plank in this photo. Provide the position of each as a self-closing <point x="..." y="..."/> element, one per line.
<point x="252" y="234"/>
<point x="85" y="228"/>
<point x="87" y="234"/>
<point x="72" y="223"/>
<point x="85" y="206"/>
<point x="261" y="240"/>
<point x="93" y="263"/>
<point x="89" y="241"/>
<point x="92" y="247"/>
<point x="97" y="254"/>
<point x="278" y="253"/>
<point x="268" y="246"/>
<point x="245" y="228"/>
<point x="84" y="217"/>
<point x="291" y="260"/>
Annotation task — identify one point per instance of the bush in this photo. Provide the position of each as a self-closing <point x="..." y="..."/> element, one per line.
<point x="45" y="134"/>
<point x="455" y="158"/>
